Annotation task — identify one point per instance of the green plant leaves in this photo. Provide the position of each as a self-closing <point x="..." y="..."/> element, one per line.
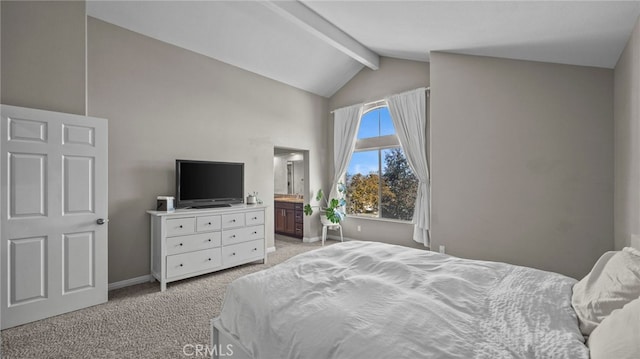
<point x="308" y="210"/>
<point x="333" y="210"/>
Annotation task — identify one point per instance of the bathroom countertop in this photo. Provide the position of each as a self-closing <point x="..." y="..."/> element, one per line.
<point x="289" y="199"/>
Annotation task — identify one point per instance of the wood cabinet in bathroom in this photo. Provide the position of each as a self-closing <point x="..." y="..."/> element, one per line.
<point x="288" y="218"/>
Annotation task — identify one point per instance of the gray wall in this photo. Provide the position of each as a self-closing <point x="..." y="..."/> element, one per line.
<point x="43" y="55"/>
<point x="394" y="76"/>
<point x="164" y="103"/>
<point x="627" y="142"/>
<point x="521" y="161"/>
<point x="0" y="57"/>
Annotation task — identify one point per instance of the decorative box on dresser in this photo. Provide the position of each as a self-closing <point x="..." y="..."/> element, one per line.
<point x="190" y="242"/>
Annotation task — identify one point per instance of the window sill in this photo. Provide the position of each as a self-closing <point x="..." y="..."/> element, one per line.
<point x="377" y="219"/>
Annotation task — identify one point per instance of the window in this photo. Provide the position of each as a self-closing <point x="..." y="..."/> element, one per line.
<point x="380" y="183"/>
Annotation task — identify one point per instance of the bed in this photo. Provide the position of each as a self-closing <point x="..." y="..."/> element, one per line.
<point x="373" y="300"/>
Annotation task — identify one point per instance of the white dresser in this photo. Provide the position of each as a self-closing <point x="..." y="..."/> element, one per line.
<point x="191" y="242"/>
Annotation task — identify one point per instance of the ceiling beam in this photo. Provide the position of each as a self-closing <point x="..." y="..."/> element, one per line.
<point x="310" y="21"/>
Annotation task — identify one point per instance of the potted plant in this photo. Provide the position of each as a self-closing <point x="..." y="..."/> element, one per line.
<point x="333" y="208"/>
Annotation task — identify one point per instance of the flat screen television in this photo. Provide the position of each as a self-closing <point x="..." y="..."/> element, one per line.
<point x="205" y="184"/>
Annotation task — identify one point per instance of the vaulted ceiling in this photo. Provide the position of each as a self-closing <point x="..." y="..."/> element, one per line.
<point x="318" y="46"/>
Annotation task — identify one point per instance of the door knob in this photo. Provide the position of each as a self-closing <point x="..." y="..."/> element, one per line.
<point x="102" y="221"/>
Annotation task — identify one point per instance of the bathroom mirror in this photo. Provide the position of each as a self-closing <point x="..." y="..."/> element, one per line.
<point x="288" y="169"/>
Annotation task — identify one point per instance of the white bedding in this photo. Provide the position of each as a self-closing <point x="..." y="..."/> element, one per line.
<point x="373" y="300"/>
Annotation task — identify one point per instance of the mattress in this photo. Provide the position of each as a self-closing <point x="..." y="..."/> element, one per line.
<point x="373" y="300"/>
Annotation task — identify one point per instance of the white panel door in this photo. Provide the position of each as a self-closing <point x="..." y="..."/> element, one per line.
<point x="53" y="197"/>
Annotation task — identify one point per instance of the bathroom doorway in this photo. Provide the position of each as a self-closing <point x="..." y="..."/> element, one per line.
<point x="290" y="171"/>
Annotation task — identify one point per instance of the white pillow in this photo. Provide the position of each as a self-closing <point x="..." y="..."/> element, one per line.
<point x="618" y="336"/>
<point x="613" y="282"/>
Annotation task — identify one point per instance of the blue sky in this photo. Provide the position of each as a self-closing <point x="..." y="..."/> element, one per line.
<point x="373" y="124"/>
<point x="363" y="162"/>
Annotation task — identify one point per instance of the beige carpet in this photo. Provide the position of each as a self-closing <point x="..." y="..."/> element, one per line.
<point x="139" y="321"/>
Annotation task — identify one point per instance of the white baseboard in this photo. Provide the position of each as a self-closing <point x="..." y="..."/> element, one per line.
<point x="311" y="239"/>
<point x="271" y="249"/>
<point x="130" y="282"/>
<point x="337" y="238"/>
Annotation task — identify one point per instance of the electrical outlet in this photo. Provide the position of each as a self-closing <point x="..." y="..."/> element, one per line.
<point x="441" y="249"/>
<point x="359" y="228"/>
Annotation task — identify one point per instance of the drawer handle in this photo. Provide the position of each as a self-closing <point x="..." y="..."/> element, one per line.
<point x="234" y="236"/>
<point x="209" y="223"/>
<point x="180" y="244"/>
<point x="255" y="217"/>
<point x="255" y="249"/>
<point x="209" y="239"/>
<point x="209" y="259"/>
<point x="254" y="232"/>
<point x="233" y="220"/>
<point x="180" y="226"/>
<point x="233" y="254"/>
<point x="180" y="264"/>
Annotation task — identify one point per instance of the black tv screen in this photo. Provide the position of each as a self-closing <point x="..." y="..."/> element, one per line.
<point x="208" y="184"/>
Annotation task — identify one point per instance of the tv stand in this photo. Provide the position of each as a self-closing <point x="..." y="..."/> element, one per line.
<point x="212" y="206"/>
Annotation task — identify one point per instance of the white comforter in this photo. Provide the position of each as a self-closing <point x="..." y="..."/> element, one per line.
<point x="372" y="300"/>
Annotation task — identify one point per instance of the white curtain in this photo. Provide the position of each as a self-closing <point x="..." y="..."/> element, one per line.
<point x="345" y="127"/>
<point x="408" y="113"/>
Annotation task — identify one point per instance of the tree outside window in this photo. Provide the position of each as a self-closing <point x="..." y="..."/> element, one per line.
<point x="380" y="183"/>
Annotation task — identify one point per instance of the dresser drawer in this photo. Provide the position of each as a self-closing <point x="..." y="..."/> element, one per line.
<point x="180" y="264"/>
<point x="233" y="220"/>
<point x="207" y="223"/>
<point x="180" y="226"/>
<point x="193" y="242"/>
<point x="233" y="236"/>
<point x="242" y="252"/>
<point x="254" y="218"/>
<point x="255" y="232"/>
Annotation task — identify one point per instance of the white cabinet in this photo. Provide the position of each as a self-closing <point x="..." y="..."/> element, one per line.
<point x="187" y="243"/>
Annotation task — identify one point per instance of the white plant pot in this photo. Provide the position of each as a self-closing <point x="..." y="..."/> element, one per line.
<point x="325" y="221"/>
